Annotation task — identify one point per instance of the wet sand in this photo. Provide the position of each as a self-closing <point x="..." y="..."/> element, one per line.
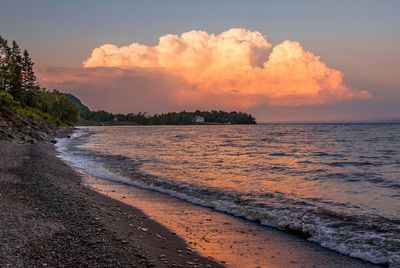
<point x="48" y="218"/>
<point x="230" y="240"/>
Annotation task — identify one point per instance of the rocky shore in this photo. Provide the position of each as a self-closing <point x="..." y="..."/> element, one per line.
<point x="48" y="218"/>
<point x="21" y="129"/>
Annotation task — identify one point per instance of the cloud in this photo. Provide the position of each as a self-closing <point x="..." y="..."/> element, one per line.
<point x="112" y="89"/>
<point x="123" y="91"/>
<point x="238" y="66"/>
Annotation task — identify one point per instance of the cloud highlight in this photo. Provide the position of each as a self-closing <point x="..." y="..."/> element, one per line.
<point x="238" y="62"/>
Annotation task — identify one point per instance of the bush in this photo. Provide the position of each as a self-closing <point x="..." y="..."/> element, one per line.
<point x="6" y="99"/>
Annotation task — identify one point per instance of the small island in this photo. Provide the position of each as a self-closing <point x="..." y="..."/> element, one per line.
<point x="88" y="117"/>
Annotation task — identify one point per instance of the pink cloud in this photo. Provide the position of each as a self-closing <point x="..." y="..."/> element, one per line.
<point x="236" y="61"/>
<point x="235" y="70"/>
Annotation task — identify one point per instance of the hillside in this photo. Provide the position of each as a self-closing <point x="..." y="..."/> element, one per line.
<point x="28" y="112"/>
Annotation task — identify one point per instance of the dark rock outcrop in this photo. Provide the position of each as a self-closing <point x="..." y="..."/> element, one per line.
<point x="18" y="129"/>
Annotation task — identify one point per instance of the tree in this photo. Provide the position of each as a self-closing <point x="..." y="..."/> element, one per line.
<point x="15" y="67"/>
<point x="2" y="62"/>
<point x="29" y="84"/>
<point x="20" y="92"/>
<point x="28" y="75"/>
<point x="11" y="68"/>
<point x="63" y="109"/>
<point x="5" y="65"/>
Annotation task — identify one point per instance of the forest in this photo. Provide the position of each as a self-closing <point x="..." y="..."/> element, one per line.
<point x="88" y="117"/>
<point x="20" y="92"/>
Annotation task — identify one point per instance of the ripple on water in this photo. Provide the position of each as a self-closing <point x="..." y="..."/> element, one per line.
<point x="327" y="182"/>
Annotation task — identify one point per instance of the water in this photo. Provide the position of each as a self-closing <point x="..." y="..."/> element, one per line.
<point x="336" y="184"/>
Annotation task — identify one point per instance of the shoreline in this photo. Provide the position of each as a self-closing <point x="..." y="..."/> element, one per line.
<point x="231" y="240"/>
<point x="115" y="167"/>
<point x="53" y="218"/>
<point x="49" y="218"/>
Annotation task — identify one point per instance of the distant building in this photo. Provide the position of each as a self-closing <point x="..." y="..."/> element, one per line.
<point x="198" y="119"/>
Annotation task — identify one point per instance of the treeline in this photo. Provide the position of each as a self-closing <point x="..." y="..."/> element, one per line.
<point x="174" y="118"/>
<point x="20" y="92"/>
<point x="184" y="117"/>
<point x="142" y="118"/>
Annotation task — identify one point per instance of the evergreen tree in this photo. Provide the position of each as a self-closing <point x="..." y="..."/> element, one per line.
<point x="20" y="92"/>
<point x="29" y="84"/>
<point x="15" y="66"/>
<point x="28" y="75"/>
<point x="2" y="63"/>
<point x="5" y="65"/>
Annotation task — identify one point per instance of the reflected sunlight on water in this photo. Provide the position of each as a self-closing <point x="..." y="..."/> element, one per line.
<point x="338" y="184"/>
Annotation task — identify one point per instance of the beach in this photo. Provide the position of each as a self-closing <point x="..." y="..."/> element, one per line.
<point x="48" y="218"/>
<point x="236" y="134"/>
<point x="53" y="215"/>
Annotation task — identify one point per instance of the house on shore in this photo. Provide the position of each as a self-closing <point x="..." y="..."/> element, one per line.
<point x="198" y="119"/>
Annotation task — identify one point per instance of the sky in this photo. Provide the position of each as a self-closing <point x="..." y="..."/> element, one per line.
<point x="280" y="60"/>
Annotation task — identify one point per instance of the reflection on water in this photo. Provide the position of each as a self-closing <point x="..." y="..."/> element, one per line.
<point x="338" y="184"/>
<point x="341" y="166"/>
<point x="235" y="242"/>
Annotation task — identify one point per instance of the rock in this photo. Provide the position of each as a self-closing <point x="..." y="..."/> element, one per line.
<point x="53" y="141"/>
<point x="32" y="141"/>
<point x="10" y="136"/>
<point x="39" y="135"/>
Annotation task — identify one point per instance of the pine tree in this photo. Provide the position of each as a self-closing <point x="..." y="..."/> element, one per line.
<point x="29" y="84"/>
<point x="2" y="63"/>
<point x="28" y="75"/>
<point x="15" y="66"/>
<point x="18" y="80"/>
<point x="5" y="66"/>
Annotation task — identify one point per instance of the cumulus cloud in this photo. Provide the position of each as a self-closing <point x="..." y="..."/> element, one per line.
<point x="238" y="62"/>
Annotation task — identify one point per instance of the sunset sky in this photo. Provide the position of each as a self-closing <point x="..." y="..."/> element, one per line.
<point x="280" y="60"/>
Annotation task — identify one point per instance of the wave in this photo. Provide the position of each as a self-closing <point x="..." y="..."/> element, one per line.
<point x="369" y="237"/>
